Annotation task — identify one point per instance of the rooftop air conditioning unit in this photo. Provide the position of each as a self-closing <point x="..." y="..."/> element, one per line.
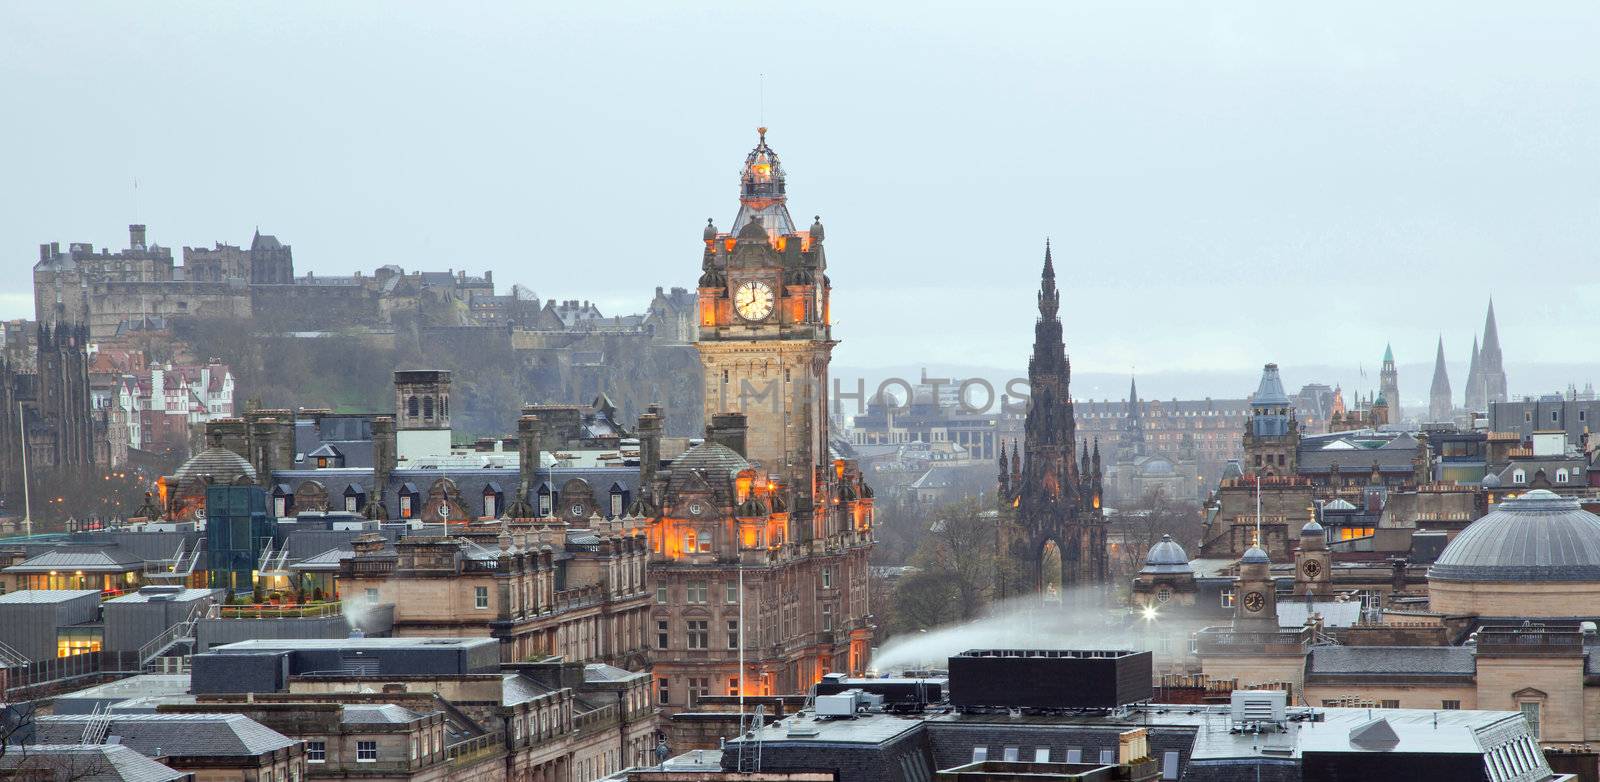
<point x="1258" y="706"/>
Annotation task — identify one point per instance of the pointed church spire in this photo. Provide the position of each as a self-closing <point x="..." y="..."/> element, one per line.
<point x="1049" y="297"/>
<point x="1439" y="403"/>
<point x="1491" y="332"/>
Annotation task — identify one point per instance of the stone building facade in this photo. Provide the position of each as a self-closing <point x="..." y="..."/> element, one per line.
<point x="758" y="536"/>
<point x="1054" y="491"/>
<point x="538" y="587"/>
<point x="53" y="399"/>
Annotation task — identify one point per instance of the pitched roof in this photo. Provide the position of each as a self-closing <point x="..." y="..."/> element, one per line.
<point x="196" y="735"/>
<point x="87" y="559"/>
<point x="1391" y="660"/>
<point x="90" y="762"/>
<point x="378" y="714"/>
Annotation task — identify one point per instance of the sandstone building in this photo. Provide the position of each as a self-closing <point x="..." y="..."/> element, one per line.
<point x="758" y="536"/>
<point x="1054" y="490"/>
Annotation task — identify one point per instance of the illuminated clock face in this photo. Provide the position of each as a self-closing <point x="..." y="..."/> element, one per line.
<point x="753" y="301"/>
<point x="1312" y="568"/>
<point x="1253" y="601"/>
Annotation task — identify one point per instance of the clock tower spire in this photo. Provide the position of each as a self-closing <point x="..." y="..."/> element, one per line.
<point x="765" y="341"/>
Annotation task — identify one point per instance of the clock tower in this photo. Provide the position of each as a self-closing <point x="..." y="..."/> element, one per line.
<point x="760" y="540"/>
<point x="1312" y="563"/>
<point x="1256" y="606"/>
<point x="764" y="338"/>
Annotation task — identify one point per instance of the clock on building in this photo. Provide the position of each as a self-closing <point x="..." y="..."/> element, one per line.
<point x="753" y="300"/>
<point x="1312" y="568"/>
<point x="576" y="510"/>
<point x="1253" y="601"/>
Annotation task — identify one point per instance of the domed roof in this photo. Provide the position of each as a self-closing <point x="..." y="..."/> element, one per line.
<point x="1166" y="557"/>
<point x="1255" y="556"/>
<point x="715" y="462"/>
<point x="221" y="465"/>
<point x="1491" y="481"/>
<point x="1311" y="528"/>
<point x="1539" y="536"/>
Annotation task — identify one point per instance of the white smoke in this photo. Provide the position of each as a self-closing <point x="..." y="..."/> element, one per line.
<point x="1078" y="622"/>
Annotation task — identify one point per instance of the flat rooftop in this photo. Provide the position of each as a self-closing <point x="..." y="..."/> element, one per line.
<point x="1414" y="730"/>
<point x="353" y="644"/>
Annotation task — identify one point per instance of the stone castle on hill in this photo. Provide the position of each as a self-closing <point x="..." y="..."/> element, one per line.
<point x="559" y="349"/>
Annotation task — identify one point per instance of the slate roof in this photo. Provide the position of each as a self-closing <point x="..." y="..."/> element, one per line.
<point x="1166" y="557"/>
<point x="1368" y="661"/>
<point x="91" y="763"/>
<point x="600" y="672"/>
<point x="87" y="559"/>
<point x="222" y="465"/>
<point x="517" y="689"/>
<point x="381" y="714"/>
<point x="196" y="735"/>
<point x="1539" y="536"/>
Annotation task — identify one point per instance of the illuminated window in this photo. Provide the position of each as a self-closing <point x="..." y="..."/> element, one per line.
<point x="1229" y="595"/>
<point x="77" y="640"/>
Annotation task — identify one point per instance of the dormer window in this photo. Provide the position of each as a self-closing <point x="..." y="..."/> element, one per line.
<point x="617" y="500"/>
<point x="492" y="500"/>
<point x="1519" y="477"/>
<point x="410" y="501"/>
<point x="544" y="500"/>
<point x="353" y="496"/>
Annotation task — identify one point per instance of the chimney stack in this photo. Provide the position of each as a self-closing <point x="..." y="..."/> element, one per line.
<point x="728" y="429"/>
<point x="649" y="446"/>
<point x="529" y="434"/>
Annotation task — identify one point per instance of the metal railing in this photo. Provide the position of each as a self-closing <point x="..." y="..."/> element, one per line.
<point x="276" y="611"/>
<point x="182" y="630"/>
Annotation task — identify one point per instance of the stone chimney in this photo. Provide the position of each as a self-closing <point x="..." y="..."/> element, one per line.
<point x="136" y="237"/>
<point x="530" y="436"/>
<point x="728" y="429"/>
<point x="649" y="446"/>
<point x="383" y="450"/>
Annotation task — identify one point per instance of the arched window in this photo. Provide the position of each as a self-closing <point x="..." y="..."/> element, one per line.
<point x="688" y="541"/>
<point x="411" y="406"/>
<point x="427" y="407"/>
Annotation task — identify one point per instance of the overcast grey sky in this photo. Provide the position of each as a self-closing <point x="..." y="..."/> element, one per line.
<point x="1225" y="184"/>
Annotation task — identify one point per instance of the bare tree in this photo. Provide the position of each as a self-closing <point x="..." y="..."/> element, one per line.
<point x="1137" y="528"/>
